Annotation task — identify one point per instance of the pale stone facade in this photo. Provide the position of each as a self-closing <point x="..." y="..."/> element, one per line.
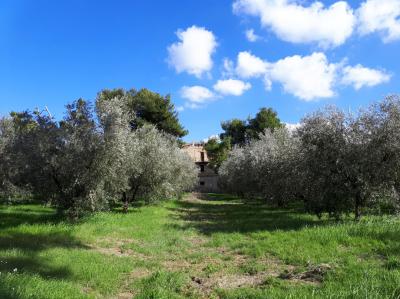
<point x="208" y="179"/>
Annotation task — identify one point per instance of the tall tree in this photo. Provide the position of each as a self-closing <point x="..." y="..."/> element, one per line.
<point x="266" y="118"/>
<point x="148" y="107"/>
<point x="235" y="129"/>
<point x="218" y="151"/>
<point x="242" y="132"/>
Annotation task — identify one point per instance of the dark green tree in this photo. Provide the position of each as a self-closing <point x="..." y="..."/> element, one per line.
<point x="266" y="118"/>
<point x="235" y="129"/>
<point x="217" y="151"/>
<point x="242" y="132"/>
<point x="148" y="107"/>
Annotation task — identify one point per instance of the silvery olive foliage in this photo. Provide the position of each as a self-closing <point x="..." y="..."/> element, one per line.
<point x="7" y="134"/>
<point x="335" y="162"/>
<point x="333" y="175"/>
<point x="143" y="163"/>
<point x="157" y="167"/>
<point x="56" y="159"/>
<point x="266" y="167"/>
<point x="87" y="161"/>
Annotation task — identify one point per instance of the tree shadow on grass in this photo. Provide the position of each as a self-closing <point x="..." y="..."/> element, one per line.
<point x="21" y="247"/>
<point x="12" y="216"/>
<point x="228" y="214"/>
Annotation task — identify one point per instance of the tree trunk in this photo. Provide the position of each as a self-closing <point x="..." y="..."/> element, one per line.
<point x="135" y="191"/>
<point x="357" y="208"/>
<point x="126" y="202"/>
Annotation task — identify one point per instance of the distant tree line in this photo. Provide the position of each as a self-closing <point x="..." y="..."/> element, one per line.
<point x="124" y="147"/>
<point x="335" y="162"/>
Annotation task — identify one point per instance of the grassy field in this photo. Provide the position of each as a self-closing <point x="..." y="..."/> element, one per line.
<point x="216" y="247"/>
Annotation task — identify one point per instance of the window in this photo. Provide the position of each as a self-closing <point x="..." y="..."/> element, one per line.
<point x="201" y="168"/>
<point x="202" y="156"/>
<point x="202" y="183"/>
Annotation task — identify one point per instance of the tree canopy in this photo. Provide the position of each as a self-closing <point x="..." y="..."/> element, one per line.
<point x="239" y="132"/>
<point x="148" y="107"/>
<point x="336" y="163"/>
<point x="123" y="148"/>
<point x="243" y="131"/>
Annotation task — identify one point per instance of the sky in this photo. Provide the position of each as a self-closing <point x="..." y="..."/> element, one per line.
<point x="217" y="59"/>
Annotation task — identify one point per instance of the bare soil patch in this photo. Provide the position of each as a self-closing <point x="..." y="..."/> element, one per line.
<point x="116" y="248"/>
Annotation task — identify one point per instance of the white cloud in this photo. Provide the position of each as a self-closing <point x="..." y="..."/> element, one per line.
<point x="197" y="94"/>
<point x="193" y="105"/>
<point x="231" y="87"/>
<point x="267" y="83"/>
<point x="180" y="108"/>
<point x="228" y="68"/>
<point x="249" y="66"/>
<point x="215" y="136"/>
<point x="308" y="77"/>
<point x="251" y="36"/>
<point x="359" y="76"/>
<point x="326" y="26"/>
<point x="192" y="54"/>
<point x="381" y="16"/>
<point x="292" y="127"/>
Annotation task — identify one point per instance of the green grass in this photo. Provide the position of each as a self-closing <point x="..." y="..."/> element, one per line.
<point x="219" y="247"/>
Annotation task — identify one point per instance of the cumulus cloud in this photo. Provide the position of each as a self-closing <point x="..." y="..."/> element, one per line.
<point x="197" y="94"/>
<point x="327" y="26"/>
<point x="249" y="66"/>
<point x="193" y="52"/>
<point x="308" y="77"/>
<point x="251" y="36"/>
<point x="231" y="87"/>
<point x="359" y="76"/>
<point x="382" y="16"/>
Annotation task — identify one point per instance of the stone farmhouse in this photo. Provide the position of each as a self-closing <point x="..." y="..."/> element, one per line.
<point x="208" y="179"/>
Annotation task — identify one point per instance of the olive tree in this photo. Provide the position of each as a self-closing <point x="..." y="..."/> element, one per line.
<point x="327" y="173"/>
<point x="157" y="168"/>
<point x="279" y="172"/>
<point x="7" y="135"/>
<point x="56" y="159"/>
<point x="265" y="167"/>
<point x="142" y="163"/>
<point x="347" y="159"/>
<point x="381" y="124"/>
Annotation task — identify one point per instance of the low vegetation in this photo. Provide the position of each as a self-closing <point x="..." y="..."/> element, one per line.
<point x="199" y="247"/>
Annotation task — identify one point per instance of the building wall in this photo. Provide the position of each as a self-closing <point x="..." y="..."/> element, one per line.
<point x="208" y="183"/>
<point x="195" y="151"/>
<point x="208" y="179"/>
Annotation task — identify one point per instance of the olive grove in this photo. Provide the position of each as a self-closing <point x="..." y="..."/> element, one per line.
<point x="335" y="162"/>
<point x="93" y="157"/>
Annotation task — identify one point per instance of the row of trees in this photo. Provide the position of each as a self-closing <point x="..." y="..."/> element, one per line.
<point x="124" y="147"/>
<point x="335" y="162"/>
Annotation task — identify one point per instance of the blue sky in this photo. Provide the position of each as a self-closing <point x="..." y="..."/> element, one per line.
<point x="302" y="55"/>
